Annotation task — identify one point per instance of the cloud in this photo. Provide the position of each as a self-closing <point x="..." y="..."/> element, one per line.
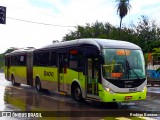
<point x="23" y="34"/>
<point x="88" y="11"/>
<point x="143" y="7"/>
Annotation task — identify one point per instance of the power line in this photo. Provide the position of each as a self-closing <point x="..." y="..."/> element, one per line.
<point x="38" y="22"/>
<point x="46" y="14"/>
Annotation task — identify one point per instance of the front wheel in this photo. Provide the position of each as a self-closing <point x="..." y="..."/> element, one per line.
<point x="77" y="94"/>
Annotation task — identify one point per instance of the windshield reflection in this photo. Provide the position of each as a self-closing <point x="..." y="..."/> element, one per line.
<point x="123" y="64"/>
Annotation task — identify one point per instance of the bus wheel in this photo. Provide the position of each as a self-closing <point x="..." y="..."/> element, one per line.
<point x="77" y="94"/>
<point x="13" y="81"/>
<point x="38" y="85"/>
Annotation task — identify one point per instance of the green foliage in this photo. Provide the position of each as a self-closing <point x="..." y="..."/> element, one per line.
<point x="146" y="58"/>
<point x="10" y="50"/>
<point x="145" y="33"/>
<point x="1" y="61"/>
<point x="158" y="70"/>
<point x="2" y="58"/>
<point x="96" y="30"/>
<point x="156" y="53"/>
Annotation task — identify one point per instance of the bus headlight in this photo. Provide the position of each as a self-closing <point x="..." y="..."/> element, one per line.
<point x="144" y="88"/>
<point x="109" y="90"/>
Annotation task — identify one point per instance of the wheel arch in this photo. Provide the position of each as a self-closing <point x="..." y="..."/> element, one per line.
<point x="13" y="80"/>
<point x="74" y="84"/>
<point x="35" y="79"/>
<point x="12" y="76"/>
<point x="38" y="84"/>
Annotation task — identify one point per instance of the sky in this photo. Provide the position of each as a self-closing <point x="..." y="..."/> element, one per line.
<point x="53" y="19"/>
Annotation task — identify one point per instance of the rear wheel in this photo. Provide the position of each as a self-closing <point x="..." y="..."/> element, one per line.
<point x="13" y="81"/>
<point x="38" y="85"/>
<point x="77" y="94"/>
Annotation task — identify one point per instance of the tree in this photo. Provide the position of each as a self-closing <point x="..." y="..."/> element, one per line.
<point x="2" y="57"/>
<point x="123" y="7"/>
<point x="156" y="53"/>
<point x="95" y="30"/>
<point x="1" y="62"/>
<point x="147" y="34"/>
<point x="156" y="58"/>
<point x="10" y="50"/>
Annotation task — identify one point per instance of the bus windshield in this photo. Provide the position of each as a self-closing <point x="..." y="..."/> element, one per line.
<point x="123" y="64"/>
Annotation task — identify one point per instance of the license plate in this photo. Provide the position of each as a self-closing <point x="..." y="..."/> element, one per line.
<point x="128" y="97"/>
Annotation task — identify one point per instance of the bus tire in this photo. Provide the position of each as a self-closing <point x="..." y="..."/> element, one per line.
<point x="77" y="94"/>
<point x="13" y="81"/>
<point x="38" y="85"/>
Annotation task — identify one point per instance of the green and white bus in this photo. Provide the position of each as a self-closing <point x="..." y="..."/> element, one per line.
<point x="91" y="69"/>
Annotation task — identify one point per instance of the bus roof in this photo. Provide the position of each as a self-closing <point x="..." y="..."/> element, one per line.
<point x="108" y="43"/>
<point x="21" y="50"/>
<point x="99" y="43"/>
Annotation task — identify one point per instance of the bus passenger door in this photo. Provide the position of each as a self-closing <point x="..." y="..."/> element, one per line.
<point x="62" y="71"/>
<point x="92" y="77"/>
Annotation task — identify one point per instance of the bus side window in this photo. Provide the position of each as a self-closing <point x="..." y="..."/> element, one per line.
<point x="41" y="59"/>
<point x="7" y="62"/>
<point x="35" y="59"/>
<point x="53" y="59"/>
<point x="75" y="59"/>
<point x="15" y="60"/>
<point x="22" y="60"/>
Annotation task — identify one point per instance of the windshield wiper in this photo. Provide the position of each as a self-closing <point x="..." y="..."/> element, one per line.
<point x="129" y="68"/>
<point x="135" y="74"/>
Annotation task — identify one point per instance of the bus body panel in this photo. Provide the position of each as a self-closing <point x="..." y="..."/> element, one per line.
<point x="47" y="75"/>
<point x="124" y="90"/>
<point x="79" y="61"/>
<point x="107" y="96"/>
<point x="7" y="73"/>
<point x="19" y="73"/>
<point x="49" y="78"/>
